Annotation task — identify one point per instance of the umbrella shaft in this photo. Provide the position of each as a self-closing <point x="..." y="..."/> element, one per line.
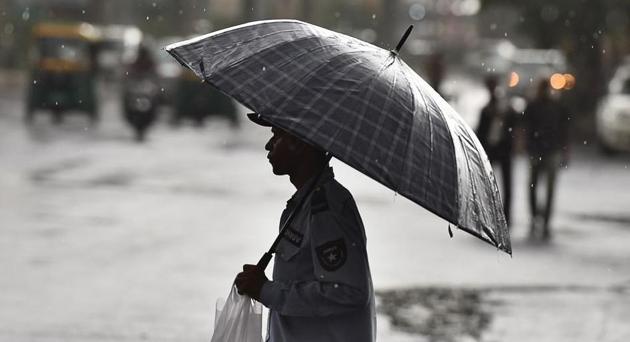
<point x="266" y="258"/>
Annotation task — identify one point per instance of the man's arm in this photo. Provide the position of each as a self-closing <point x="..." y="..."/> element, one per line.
<point x="312" y="298"/>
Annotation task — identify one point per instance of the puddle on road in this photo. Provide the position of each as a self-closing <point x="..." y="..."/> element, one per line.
<point x="487" y="314"/>
<point x="621" y="219"/>
<point x="45" y="174"/>
<point x="439" y="314"/>
<point x="116" y="179"/>
<point x="57" y="174"/>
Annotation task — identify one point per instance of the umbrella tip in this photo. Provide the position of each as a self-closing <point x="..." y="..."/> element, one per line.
<point x="402" y="40"/>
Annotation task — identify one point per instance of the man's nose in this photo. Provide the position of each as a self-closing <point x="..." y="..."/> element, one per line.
<point x="268" y="146"/>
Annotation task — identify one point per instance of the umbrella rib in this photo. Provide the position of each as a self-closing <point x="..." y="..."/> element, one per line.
<point x="382" y="117"/>
<point x="405" y="166"/>
<point x="426" y="108"/>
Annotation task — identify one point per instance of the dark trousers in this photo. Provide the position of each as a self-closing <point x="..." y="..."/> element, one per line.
<point x="544" y="165"/>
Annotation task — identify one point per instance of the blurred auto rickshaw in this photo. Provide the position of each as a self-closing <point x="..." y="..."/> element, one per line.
<point x="62" y="70"/>
<point x="197" y="101"/>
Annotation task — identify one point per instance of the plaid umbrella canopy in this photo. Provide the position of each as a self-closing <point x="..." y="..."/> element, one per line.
<point x="362" y="104"/>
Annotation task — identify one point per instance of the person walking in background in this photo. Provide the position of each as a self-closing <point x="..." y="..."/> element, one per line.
<point x="546" y="123"/>
<point x="495" y="132"/>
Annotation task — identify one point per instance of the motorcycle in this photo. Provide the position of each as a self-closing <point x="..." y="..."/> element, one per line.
<point x="141" y="98"/>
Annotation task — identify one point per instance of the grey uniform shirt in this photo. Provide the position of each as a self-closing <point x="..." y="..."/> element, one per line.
<point x="322" y="287"/>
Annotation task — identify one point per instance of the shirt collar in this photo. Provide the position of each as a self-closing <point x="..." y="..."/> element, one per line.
<point x="327" y="175"/>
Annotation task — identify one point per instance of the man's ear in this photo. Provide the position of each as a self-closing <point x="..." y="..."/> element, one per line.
<point x="295" y="145"/>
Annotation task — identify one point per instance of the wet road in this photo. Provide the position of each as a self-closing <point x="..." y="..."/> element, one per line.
<point x="103" y="239"/>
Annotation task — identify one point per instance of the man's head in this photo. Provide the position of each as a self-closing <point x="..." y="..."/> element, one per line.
<point x="288" y="155"/>
<point x="491" y="82"/>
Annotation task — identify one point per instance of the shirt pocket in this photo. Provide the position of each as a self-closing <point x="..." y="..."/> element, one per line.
<point x="291" y="243"/>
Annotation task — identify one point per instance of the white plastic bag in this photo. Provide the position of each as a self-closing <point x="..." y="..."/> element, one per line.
<point x="237" y="319"/>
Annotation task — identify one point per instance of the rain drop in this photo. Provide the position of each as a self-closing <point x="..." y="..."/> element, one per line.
<point x="337" y="14"/>
<point x="34" y="81"/>
<point x="264" y="68"/>
<point x="82" y="11"/>
<point x="585" y="142"/>
<point x="373" y="16"/>
<point x="56" y="103"/>
<point x="154" y="4"/>
<point x="147" y="18"/>
<point x="493" y="26"/>
<point x="162" y="89"/>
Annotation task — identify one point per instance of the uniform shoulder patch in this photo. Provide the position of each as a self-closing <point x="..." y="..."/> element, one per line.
<point x="319" y="202"/>
<point x="332" y="255"/>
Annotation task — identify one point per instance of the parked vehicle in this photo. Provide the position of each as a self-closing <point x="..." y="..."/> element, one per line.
<point x="197" y="101"/>
<point x="613" y="113"/>
<point x="62" y="70"/>
<point x="528" y="66"/>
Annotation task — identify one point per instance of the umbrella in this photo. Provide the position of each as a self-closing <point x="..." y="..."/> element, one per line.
<point x="363" y="105"/>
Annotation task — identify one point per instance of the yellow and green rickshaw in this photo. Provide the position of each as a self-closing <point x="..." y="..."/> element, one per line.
<point x="63" y="74"/>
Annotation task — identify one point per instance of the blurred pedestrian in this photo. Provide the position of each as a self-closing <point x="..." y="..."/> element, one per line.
<point x="496" y="133"/>
<point x="143" y="65"/>
<point x="322" y="287"/>
<point x="547" y="140"/>
<point x="435" y="71"/>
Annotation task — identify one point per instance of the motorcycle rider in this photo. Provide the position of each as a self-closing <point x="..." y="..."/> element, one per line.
<point x="140" y="92"/>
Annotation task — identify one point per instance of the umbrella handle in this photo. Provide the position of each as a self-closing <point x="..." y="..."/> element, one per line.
<point x="264" y="261"/>
<point x="266" y="258"/>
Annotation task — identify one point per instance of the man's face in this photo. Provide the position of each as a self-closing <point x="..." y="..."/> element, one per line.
<point x="283" y="152"/>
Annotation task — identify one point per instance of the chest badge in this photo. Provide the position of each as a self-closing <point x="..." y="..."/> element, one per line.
<point x="293" y="236"/>
<point x="332" y="255"/>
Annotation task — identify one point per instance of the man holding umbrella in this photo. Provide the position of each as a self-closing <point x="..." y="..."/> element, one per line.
<point x="321" y="288"/>
<point x="325" y="91"/>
